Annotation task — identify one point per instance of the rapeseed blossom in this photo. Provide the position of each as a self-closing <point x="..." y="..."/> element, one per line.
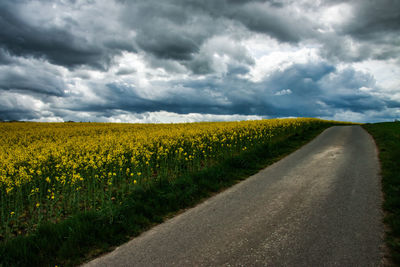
<point x="48" y="170"/>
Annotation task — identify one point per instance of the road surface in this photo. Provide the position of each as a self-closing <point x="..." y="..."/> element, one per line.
<point x="320" y="206"/>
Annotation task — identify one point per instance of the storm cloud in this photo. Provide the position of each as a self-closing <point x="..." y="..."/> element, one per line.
<point x="64" y="37"/>
<point x="176" y="60"/>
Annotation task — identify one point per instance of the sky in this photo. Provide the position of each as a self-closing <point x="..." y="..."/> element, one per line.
<point x="199" y="60"/>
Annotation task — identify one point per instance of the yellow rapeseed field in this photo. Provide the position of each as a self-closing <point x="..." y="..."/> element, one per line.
<point x="51" y="170"/>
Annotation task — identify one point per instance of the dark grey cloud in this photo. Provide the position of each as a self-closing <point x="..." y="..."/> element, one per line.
<point x="275" y="21"/>
<point x="5" y="57"/>
<point x="172" y="46"/>
<point x="16" y="114"/>
<point x="72" y="58"/>
<point x="314" y="89"/>
<point x="220" y="55"/>
<point x="31" y="79"/>
<point x="377" y="23"/>
<point x="177" y="30"/>
<point x="305" y="90"/>
<point x="372" y="32"/>
<point x="58" y="44"/>
<point x="320" y="89"/>
<point x="343" y="92"/>
<point x="125" y="71"/>
<point x="17" y="106"/>
<point x="169" y="29"/>
<point x="374" y="19"/>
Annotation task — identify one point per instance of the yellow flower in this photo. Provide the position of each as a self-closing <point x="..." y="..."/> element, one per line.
<point x="12" y="213"/>
<point x="31" y="151"/>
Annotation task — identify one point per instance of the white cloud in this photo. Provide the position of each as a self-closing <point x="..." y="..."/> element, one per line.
<point x="335" y="15"/>
<point x="270" y="56"/>
<point x="123" y="61"/>
<point x="171" y="117"/>
<point x="284" y="92"/>
<point x="386" y="73"/>
<point x="348" y="116"/>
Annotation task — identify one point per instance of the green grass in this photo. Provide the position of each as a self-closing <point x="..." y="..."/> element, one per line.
<point x="387" y="138"/>
<point x="86" y="235"/>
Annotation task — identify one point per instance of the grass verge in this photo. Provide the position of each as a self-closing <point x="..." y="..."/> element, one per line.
<point x="387" y="138"/>
<point x="85" y="235"/>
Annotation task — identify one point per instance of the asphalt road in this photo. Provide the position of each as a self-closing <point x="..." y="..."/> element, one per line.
<point x="320" y="206"/>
